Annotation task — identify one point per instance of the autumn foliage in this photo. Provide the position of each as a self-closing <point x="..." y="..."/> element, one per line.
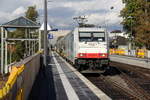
<point x="138" y="25"/>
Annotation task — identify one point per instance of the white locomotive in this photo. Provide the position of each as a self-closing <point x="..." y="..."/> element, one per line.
<point x="86" y="48"/>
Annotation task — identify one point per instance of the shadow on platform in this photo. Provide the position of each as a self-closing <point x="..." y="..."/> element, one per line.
<point x="43" y="88"/>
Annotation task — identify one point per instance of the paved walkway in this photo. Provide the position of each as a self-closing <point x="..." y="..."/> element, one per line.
<point x="144" y="63"/>
<point x="58" y="81"/>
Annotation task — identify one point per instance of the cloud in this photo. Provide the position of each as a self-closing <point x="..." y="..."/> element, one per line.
<point x="7" y="16"/>
<point x="19" y="11"/>
<point x="61" y="12"/>
<point x="97" y="11"/>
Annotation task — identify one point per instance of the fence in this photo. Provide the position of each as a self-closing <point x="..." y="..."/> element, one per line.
<point x="140" y="53"/>
<point x="21" y="79"/>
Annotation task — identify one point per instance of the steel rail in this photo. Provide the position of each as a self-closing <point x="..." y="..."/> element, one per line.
<point x="136" y="88"/>
<point x="141" y="72"/>
<point x="124" y="90"/>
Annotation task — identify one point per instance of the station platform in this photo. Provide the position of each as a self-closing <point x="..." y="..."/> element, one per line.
<point x="140" y="62"/>
<point x="63" y="82"/>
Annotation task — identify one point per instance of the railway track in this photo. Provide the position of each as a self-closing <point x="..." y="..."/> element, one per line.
<point x="142" y="72"/>
<point x="132" y="86"/>
<point x="135" y="88"/>
<point x="111" y="88"/>
<point x="144" y="83"/>
<point x="140" y="76"/>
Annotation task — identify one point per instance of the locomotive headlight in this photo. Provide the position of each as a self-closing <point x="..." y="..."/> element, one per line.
<point x="102" y="55"/>
<point x="81" y="54"/>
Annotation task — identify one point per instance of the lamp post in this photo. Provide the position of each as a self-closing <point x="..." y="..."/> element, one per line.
<point x="146" y="13"/>
<point x="115" y="40"/>
<point x="130" y="37"/>
<point x="45" y="33"/>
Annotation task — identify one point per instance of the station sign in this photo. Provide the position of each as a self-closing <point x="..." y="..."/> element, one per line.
<point x="50" y="36"/>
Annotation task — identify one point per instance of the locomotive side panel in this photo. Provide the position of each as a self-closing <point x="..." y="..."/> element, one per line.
<point x="76" y="44"/>
<point x="69" y="46"/>
<point x="60" y="45"/>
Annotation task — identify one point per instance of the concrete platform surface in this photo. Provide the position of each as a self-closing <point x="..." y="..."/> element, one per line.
<point x="144" y="63"/>
<point x="60" y="81"/>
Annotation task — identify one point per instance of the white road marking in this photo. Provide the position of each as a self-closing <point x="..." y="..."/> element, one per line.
<point x="100" y="94"/>
<point x="52" y="64"/>
<point x="71" y="94"/>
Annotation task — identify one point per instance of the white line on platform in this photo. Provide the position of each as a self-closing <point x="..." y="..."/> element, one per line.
<point x="100" y="94"/>
<point x="71" y="94"/>
<point x="51" y="64"/>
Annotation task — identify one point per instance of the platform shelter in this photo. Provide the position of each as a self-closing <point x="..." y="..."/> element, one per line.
<point x="32" y="37"/>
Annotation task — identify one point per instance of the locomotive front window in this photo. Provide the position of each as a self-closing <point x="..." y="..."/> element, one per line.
<point x="91" y="36"/>
<point x="99" y="37"/>
<point x="84" y="34"/>
<point x="84" y="37"/>
<point x="98" y="34"/>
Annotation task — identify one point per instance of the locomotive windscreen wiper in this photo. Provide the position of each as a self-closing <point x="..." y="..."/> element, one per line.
<point x="92" y="37"/>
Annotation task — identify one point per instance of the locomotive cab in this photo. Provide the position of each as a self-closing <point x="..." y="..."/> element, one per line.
<point x="92" y="52"/>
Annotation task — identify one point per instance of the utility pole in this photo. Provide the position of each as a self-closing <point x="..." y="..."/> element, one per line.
<point x="131" y="33"/>
<point x="45" y="33"/>
<point x="146" y="21"/>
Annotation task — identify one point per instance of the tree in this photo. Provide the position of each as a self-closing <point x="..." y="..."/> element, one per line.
<point x="32" y="13"/>
<point x="139" y="22"/>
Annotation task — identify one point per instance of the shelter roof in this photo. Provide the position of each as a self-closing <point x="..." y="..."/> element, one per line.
<point x="21" y="22"/>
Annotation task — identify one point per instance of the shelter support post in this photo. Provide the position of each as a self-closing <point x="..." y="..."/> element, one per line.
<point x="26" y="43"/>
<point x="29" y="42"/>
<point x="39" y="40"/>
<point x="6" y="52"/>
<point x="2" y="50"/>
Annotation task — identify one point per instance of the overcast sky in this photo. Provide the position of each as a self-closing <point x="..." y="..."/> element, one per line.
<point x="61" y="12"/>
